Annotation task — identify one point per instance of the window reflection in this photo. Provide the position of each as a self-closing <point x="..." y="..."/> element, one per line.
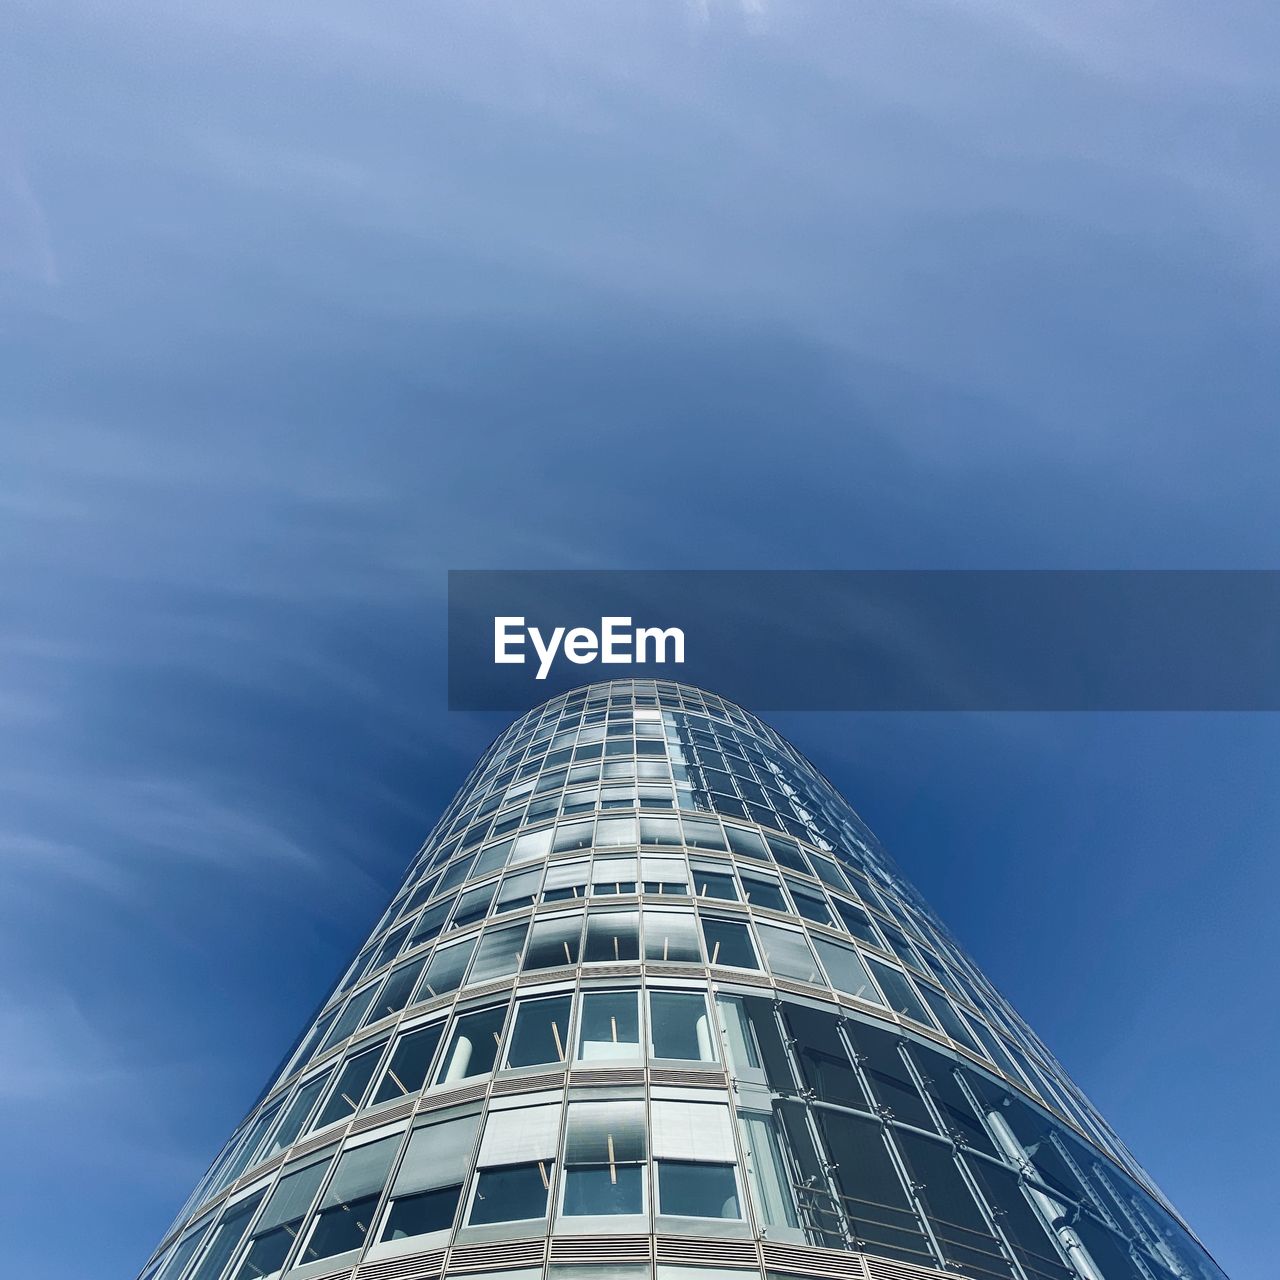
<point x="540" y="1034"/>
<point x="473" y="1045"/>
<point x="679" y="1026"/>
<point x="609" y="1028"/>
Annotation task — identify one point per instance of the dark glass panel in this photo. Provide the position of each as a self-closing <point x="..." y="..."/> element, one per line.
<point x="541" y="1032"/>
<point x="887" y="1073"/>
<point x="410" y="1063"/>
<point x="603" y="1189"/>
<point x="875" y="1201"/>
<point x="420" y="1214"/>
<point x="512" y="1193"/>
<point x="729" y="943"/>
<point x="340" y="1229"/>
<point x="967" y="1243"/>
<point x="824" y="1061"/>
<point x="692" y="1190"/>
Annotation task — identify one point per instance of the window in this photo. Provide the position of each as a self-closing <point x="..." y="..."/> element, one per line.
<point x="396" y="990"/>
<point x="456" y="872"/>
<point x="823" y="1057"/>
<point x="511" y="1193"/>
<point x="519" y="890"/>
<point x="671" y="936"/>
<point x="226" y="1238"/>
<point x="296" y="1114"/>
<point x="767" y="1171"/>
<point x="350" y="1200"/>
<point x="743" y="1057"/>
<point x="745" y="842"/>
<point x="899" y="992"/>
<point x="553" y="943"/>
<point x="581" y="801"/>
<point x="696" y="1190"/>
<point x="1025" y="1230"/>
<point x="612" y="876"/>
<point x="498" y="953"/>
<point x="958" y="1114"/>
<point x="661" y="831"/>
<point x="531" y="845"/>
<point x="693" y="1147"/>
<point x="877" y="1205"/>
<point x="899" y="945"/>
<point x="494" y="858"/>
<point x="714" y="880"/>
<point x="604" y="1158"/>
<point x="410" y="1063"/>
<point x="253" y="1140"/>
<point x="431" y="922"/>
<point x="618" y="797"/>
<point x="857" y="922"/>
<point x="515" y="1163"/>
<point x="183" y="1254"/>
<point x="728" y="943"/>
<point x="787" y="854"/>
<point x="679" y="1026"/>
<point x="444" y="973"/>
<point x="353" y="1080"/>
<point x="763" y="890"/>
<point x="565" y="880"/>
<point x="473" y="1045"/>
<point x="428" y="1185"/>
<point x="845" y="969"/>
<point x="612" y="936"/>
<point x="389" y="948"/>
<point x="787" y="952"/>
<point x="278" y="1227"/>
<point x="887" y="1073"/>
<point x="423" y="1213"/>
<point x="356" y="1008"/>
<point x="828" y="871"/>
<point x="667" y="875"/>
<point x="615" y="831"/>
<point x="702" y="834"/>
<point x="952" y="1023"/>
<point x="948" y="1203"/>
<point x="572" y="835"/>
<point x="540" y="1034"/>
<point x="309" y="1046"/>
<point x="809" y="903"/>
<point x="609" y="1027"/>
<point x="473" y="906"/>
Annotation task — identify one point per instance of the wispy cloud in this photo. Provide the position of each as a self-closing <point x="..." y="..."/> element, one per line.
<point x="303" y="305"/>
<point x="26" y="243"/>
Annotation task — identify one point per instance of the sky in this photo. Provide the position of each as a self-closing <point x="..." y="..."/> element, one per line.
<point x="302" y="305"/>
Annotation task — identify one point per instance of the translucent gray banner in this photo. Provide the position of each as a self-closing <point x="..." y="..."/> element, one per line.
<point x="990" y="640"/>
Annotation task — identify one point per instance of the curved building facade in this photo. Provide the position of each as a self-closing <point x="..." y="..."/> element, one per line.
<point x="653" y="1004"/>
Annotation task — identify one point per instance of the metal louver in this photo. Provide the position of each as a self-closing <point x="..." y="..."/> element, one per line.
<point x="601" y="1249"/>
<point x="498" y="1255"/>
<point x="707" y="1251"/>
<point x="416" y="1266"/>
<point x="835" y="1264"/>
<point x="890" y="1269"/>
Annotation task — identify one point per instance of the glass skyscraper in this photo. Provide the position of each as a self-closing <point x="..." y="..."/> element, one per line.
<point x="653" y="1004"/>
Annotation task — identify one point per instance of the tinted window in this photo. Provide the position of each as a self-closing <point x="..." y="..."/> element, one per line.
<point x="692" y="1190"/>
<point x="512" y="1193"/>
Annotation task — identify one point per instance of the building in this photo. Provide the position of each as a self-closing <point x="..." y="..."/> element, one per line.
<point x="653" y="1002"/>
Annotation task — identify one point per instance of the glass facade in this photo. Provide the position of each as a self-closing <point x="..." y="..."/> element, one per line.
<point x="653" y="1003"/>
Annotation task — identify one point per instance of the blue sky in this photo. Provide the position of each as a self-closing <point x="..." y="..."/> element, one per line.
<point x="304" y="304"/>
